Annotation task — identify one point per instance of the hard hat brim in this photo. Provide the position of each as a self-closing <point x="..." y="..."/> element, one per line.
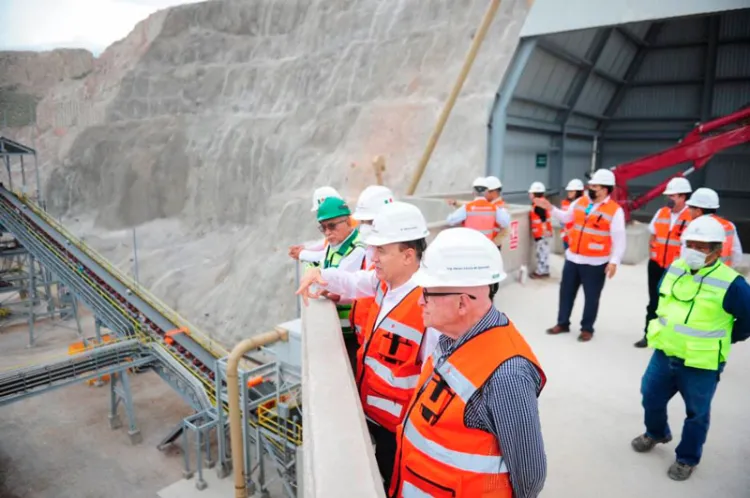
<point x="424" y="279"/>
<point x="374" y="239"/>
<point x="360" y="216"/>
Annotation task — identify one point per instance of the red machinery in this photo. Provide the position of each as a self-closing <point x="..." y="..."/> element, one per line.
<point x="698" y="147"/>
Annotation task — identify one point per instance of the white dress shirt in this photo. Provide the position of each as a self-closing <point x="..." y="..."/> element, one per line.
<point x="364" y="283"/>
<point x="616" y="232"/>
<point x="313" y="252"/>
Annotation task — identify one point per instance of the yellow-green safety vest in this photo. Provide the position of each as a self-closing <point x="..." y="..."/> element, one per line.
<point x="691" y="323"/>
<point x="332" y="260"/>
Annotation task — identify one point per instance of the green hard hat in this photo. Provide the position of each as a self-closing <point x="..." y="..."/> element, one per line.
<point x="333" y="207"/>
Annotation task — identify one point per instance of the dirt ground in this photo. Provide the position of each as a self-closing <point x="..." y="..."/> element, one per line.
<point x="59" y="444"/>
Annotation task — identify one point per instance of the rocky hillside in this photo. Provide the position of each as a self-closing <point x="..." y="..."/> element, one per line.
<point x="208" y="127"/>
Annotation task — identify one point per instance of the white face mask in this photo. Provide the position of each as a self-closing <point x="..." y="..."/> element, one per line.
<point x="694" y="258"/>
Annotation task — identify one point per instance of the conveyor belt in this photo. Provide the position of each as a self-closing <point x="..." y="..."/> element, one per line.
<point x="92" y="363"/>
<point x="127" y="309"/>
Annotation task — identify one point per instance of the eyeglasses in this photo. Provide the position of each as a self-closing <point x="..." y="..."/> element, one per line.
<point x="330" y="226"/>
<point x="427" y="294"/>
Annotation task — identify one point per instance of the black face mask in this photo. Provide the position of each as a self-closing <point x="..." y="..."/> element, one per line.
<point x="592" y="194"/>
<point x="670" y="203"/>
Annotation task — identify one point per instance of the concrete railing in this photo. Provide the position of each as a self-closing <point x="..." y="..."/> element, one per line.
<point x="338" y="457"/>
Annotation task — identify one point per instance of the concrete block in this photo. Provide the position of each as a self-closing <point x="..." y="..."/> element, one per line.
<point x="637" y="244"/>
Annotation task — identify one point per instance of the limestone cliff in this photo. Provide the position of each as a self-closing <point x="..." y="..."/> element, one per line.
<point x="209" y="126"/>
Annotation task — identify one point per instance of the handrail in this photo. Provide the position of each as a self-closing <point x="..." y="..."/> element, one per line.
<point x="213" y="347"/>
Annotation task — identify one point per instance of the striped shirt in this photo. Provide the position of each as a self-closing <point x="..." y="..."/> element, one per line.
<point x="506" y="406"/>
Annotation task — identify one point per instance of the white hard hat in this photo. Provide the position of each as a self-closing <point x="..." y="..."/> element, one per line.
<point x="493" y="183"/>
<point x="603" y="177"/>
<point x="678" y="185"/>
<point x="537" y="188"/>
<point x="460" y="257"/>
<point x="704" y="229"/>
<point x="574" y="184"/>
<point x="321" y="194"/>
<point x="370" y="201"/>
<point x="397" y="222"/>
<point x="479" y="181"/>
<point x="704" y="198"/>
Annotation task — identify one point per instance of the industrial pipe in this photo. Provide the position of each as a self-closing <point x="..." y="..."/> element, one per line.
<point x="233" y="391"/>
<point x="489" y="15"/>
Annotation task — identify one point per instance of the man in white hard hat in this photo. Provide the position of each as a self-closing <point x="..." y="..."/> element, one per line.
<point x="704" y="307"/>
<point x="705" y="201"/>
<point x="472" y="429"/>
<point x="494" y="195"/>
<point x="484" y="213"/>
<point x="478" y="187"/>
<point x="396" y="341"/>
<point x="371" y="200"/>
<point x="313" y="253"/>
<point x="540" y="220"/>
<point x="666" y="229"/>
<point x="574" y="191"/>
<point x="597" y="244"/>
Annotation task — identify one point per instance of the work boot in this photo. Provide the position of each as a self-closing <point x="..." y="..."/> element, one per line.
<point x="558" y="329"/>
<point x="585" y="336"/>
<point x="643" y="343"/>
<point x="679" y="471"/>
<point x="644" y="443"/>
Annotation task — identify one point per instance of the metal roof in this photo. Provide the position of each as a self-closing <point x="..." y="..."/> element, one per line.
<point x="550" y="16"/>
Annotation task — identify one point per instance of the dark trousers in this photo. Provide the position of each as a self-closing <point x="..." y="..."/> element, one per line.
<point x="666" y="376"/>
<point x="654" y="276"/>
<point x="574" y="276"/>
<point x="352" y="345"/>
<point x="385" y="451"/>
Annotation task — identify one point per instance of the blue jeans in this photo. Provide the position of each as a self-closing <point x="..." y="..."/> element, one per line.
<point x="666" y="376"/>
<point x="574" y="276"/>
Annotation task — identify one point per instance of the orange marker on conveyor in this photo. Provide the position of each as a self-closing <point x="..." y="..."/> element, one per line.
<point x="169" y="336"/>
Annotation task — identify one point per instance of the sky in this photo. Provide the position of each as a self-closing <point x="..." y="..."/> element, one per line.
<point x="90" y="24"/>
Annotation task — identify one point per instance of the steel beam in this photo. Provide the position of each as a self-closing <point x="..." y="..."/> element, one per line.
<point x="575" y="60"/>
<point x="631" y="37"/>
<point x="498" y="117"/>
<point x="526" y="124"/>
<point x="695" y="81"/>
<point x="630" y="73"/>
<point x="709" y="82"/>
<point x="736" y="40"/>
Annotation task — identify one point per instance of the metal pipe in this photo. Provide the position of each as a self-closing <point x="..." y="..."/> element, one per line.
<point x="233" y="391"/>
<point x="489" y="15"/>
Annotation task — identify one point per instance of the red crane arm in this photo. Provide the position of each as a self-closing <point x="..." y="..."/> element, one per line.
<point x="695" y="148"/>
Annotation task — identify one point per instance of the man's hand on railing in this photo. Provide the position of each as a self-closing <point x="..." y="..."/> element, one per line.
<point x="295" y="250"/>
<point x="310" y="278"/>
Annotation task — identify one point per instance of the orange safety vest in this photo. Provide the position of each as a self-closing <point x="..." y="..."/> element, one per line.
<point x="499" y="202"/>
<point x="667" y="242"/>
<point x="388" y="363"/>
<point x="361" y="311"/>
<point x="438" y="455"/>
<point x="564" y="206"/>
<point x="540" y="228"/>
<point x="481" y="215"/>
<point x="590" y="234"/>
<point x="729" y="231"/>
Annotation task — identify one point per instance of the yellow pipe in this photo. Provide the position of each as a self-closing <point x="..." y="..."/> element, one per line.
<point x="233" y="390"/>
<point x="489" y="15"/>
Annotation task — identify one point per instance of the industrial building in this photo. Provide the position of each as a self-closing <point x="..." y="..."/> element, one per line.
<point x="598" y="86"/>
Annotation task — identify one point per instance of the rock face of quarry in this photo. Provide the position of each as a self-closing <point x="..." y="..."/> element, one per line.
<point x="209" y="125"/>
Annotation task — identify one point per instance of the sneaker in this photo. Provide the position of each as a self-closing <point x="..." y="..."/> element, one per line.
<point x="558" y="329"/>
<point x="643" y="343"/>
<point x="644" y="443"/>
<point x="679" y="471"/>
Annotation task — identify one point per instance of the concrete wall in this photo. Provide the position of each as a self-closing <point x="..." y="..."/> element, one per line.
<point x="338" y="458"/>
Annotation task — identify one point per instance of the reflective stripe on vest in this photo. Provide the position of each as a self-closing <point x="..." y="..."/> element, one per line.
<point x="666" y="244"/>
<point x="726" y="249"/>
<point x="691" y="323"/>
<point x="591" y="233"/>
<point x="388" y="364"/>
<point x="467" y="462"/>
<point x="437" y="453"/>
<point x="481" y="215"/>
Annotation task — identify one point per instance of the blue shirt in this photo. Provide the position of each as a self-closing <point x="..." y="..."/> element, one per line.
<point x="737" y="304"/>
